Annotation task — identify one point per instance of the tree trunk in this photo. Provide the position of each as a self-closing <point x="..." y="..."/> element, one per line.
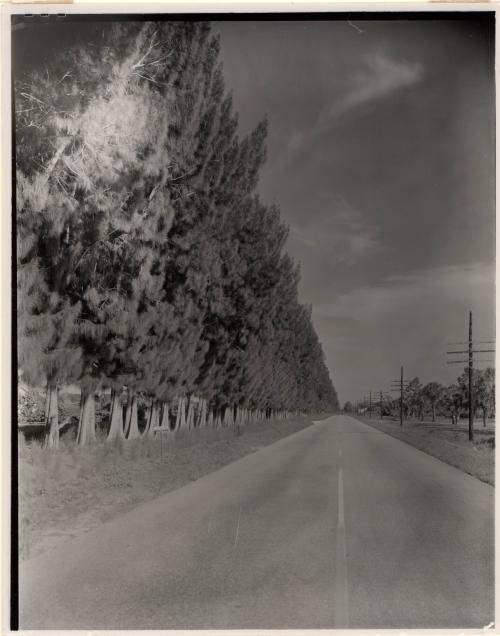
<point x="131" y="424"/>
<point x="86" y="424"/>
<point x="484" y="417"/>
<point x="149" y="413"/>
<point x="202" y="417"/>
<point x="51" y="418"/>
<point x="165" y="420"/>
<point x="433" y="413"/>
<point x="237" y="419"/>
<point x="153" y="420"/>
<point x="180" y="423"/>
<point x="228" y="417"/>
<point x="217" y="420"/>
<point x="190" y="415"/>
<point x="115" y="417"/>
<point x="210" y="419"/>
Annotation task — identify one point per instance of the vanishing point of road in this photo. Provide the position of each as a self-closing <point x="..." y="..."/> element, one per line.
<point x="336" y="526"/>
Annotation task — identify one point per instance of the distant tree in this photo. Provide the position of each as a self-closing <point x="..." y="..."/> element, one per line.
<point x="489" y="376"/>
<point x="453" y="401"/>
<point x="484" y="390"/>
<point x="479" y="389"/>
<point x="385" y="404"/>
<point x="348" y="407"/>
<point x="414" y="399"/>
<point x="431" y="395"/>
<point x="394" y="406"/>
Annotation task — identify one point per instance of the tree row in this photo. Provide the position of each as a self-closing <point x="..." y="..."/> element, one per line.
<point x="431" y="399"/>
<point x="145" y="257"/>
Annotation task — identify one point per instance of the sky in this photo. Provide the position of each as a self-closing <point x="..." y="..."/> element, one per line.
<point x="381" y="156"/>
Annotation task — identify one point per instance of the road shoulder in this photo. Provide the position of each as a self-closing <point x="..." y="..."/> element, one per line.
<point x="447" y="443"/>
<point x="69" y="492"/>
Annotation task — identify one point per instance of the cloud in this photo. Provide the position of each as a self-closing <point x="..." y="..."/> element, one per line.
<point x="430" y="289"/>
<point x="338" y="231"/>
<point x="378" y="76"/>
<point x="407" y="319"/>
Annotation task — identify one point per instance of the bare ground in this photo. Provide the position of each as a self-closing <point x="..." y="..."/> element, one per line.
<point x="67" y="492"/>
<point x="448" y="443"/>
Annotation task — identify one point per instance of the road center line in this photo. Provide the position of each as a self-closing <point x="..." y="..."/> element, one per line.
<point x="237" y="529"/>
<point x="341" y="598"/>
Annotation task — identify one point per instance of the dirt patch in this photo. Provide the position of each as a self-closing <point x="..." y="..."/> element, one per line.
<point x="67" y="492"/>
<point x="448" y="443"/>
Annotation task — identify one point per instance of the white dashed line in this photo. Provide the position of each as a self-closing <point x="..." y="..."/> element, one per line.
<point x="341" y="598"/>
<point x="237" y="529"/>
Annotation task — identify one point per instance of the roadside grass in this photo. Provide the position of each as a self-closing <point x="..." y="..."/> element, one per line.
<point x="448" y="443"/>
<point x="65" y="492"/>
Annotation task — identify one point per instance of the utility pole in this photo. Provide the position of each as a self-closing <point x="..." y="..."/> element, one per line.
<point x="401" y="401"/>
<point x="381" y="407"/>
<point x="470" y="369"/>
<point x="400" y="385"/>
<point x="369" y="400"/>
<point x="471" y="410"/>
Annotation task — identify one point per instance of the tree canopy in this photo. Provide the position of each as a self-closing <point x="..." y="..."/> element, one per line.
<point x="146" y="258"/>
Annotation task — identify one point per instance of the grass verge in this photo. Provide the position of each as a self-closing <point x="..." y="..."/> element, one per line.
<point x="448" y="443"/>
<point x="67" y="492"/>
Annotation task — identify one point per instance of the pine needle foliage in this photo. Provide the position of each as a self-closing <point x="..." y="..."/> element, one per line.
<point x="146" y="259"/>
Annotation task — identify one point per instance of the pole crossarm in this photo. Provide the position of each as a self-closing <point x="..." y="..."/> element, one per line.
<point x="474" y="351"/>
<point x="478" y="342"/>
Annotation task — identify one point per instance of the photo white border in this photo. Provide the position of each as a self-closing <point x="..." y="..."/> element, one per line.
<point x="96" y="7"/>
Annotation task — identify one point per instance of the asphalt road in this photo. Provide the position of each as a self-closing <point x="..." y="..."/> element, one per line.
<point x="336" y="526"/>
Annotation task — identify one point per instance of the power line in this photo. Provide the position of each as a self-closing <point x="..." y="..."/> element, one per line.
<point x="470" y="365"/>
<point x="369" y="400"/>
<point x="402" y="386"/>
